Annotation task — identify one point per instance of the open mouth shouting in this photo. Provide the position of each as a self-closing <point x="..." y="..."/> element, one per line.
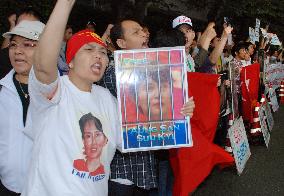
<point x="96" y="68"/>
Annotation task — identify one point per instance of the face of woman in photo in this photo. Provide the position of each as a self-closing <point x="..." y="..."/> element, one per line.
<point x="94" y="140"/>
<point x="154" y="99"/>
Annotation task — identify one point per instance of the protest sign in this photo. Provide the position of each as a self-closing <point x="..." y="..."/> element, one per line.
<point x="273" y="99"/>
<point x="252" y="35"/>
<point x="256" y="30"/>
<point x="274" y="74"/>
<point x="264" y="128"/>
<point x="268" y="114"/>
<point x="152" y="88"/>
<point x="240" y="145"/>
<point x="275" y="40"/>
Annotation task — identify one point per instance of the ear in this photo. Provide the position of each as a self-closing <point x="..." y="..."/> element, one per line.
<point x="121" y="43"/>
<point x="70" y="65"/>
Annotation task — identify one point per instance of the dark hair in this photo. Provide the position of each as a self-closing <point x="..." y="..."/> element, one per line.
<point x="30" y="10"/>
<point x="68" y="26"/>
<point x="89" y="117"/>
<point x="116" y="33"/>
<point x="236" y="48"/>
<point x="169" y="38"/>
<point x="248" y="44"/>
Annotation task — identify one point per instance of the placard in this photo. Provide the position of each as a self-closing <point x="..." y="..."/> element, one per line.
<point x="274" y="74"/>
<point x="256" y="30"/>
<point x="252" y="35"/>
<point x="269" y="117"/>
<point x="152" y="88"/>
<point x="273" y="99"/>
<point x="240" y="145"/>
<point x="264" y="128"/>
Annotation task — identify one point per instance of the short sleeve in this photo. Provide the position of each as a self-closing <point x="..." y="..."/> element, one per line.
<point x="43" y="94"/>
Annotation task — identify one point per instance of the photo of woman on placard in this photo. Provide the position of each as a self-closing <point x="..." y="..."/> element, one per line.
<point x="153" y="99"/>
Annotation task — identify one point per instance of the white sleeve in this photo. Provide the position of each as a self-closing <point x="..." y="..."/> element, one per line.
<point x="43" y="95"/>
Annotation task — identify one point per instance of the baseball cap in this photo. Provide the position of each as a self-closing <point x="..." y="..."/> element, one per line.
<point x="78" y="40"/>
<point x="27" y="29"/>
<point x="181" y="20"/>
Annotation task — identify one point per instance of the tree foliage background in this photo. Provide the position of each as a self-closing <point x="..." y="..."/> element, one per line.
<point x="158" y="13"/>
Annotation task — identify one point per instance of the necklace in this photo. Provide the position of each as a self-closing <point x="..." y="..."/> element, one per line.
<point x="25" y="94"/>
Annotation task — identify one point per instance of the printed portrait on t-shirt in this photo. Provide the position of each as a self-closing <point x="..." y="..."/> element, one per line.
<point x="94" y="140"/>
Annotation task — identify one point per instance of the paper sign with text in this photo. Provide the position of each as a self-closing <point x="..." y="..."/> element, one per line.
<point x="263" y="124"/>
<point x="269" y="117"/>
<point x="273" y="99"/>
<point x="240" y="145"/>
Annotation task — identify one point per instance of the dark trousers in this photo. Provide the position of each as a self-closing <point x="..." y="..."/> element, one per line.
<point x="5" y="192"/>
<point x="165" y="178"/>
<point x="117" y="189"/>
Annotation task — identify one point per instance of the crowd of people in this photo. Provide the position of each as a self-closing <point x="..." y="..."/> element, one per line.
<point x="59" y="125"/>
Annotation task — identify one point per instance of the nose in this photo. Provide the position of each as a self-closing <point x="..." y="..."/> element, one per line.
<point x="94" y="141"/>
<point x="97" y="55"/>
<point x="19" y="50"/>
<point x="155" y="93"/>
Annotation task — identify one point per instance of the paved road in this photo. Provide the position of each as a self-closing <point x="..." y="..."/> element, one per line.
<point x="264" y="172"/>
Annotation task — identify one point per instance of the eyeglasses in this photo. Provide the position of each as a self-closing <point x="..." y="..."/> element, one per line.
<point x="24" y="45"/>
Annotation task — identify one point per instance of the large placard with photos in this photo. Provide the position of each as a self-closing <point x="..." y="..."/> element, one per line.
<point x="152" y="88"/>
<point x="240" y="145"/>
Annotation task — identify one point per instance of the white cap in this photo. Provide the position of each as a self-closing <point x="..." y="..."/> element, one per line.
<point x="181" y="20"/>
<point x="27" y="29"/>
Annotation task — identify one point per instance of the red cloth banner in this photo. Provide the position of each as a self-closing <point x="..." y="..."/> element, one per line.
<point x="192" y="165"/>
<point x="249" y="87"/>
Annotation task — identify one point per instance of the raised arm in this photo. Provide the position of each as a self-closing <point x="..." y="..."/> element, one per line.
<point x="207" y="36"/>
<point x="47" y="53"/>
<point x="216" y="53"/>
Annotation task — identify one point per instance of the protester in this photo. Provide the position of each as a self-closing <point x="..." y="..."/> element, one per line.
<point x="62" y="65"/>
<point x="199" y="64"/>
<point x="28" y="13"/>
<point x="128" y="34"/>
<point x="15" y="146"/>
<point x="57" y="104"/>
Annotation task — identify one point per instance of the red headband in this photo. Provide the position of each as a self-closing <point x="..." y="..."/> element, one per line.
<point x="78" y="40"/>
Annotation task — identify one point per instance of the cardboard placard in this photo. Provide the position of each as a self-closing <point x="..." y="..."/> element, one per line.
<point x="152" y="88"/>
<point x="269" y="117"/>
<point x="264" y="128"/>
<point x="240" y="145"/>
<point x="256" y="31"/>
<point x="273" y="99"/>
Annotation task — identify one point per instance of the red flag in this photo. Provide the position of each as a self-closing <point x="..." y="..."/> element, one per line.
<point x="192" y="165"/>
<point x="249" y="87"/>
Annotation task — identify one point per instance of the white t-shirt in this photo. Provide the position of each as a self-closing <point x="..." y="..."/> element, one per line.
<point x="58" y="139"/>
